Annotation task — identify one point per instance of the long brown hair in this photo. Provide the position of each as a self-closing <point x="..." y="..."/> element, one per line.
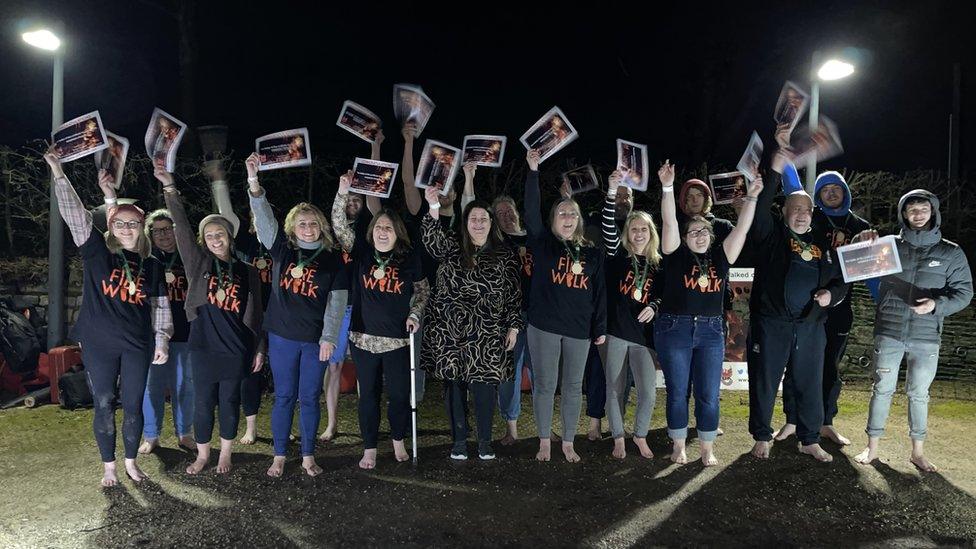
<point x="493" y="244"/>
<point x="402" y="245"/>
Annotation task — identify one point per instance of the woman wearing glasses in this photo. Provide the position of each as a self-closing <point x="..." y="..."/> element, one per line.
<point x="305" y="310"/>
<point x="567" y="310"/>
<point x="688" y="332"/>
<point x="124" y="322"/>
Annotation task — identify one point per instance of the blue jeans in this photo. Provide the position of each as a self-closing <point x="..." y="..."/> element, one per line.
<point x="177" y="376"/>
<point x="691" y="347"/>
<point x="342" y="344"/>
<point x="923" y="361"/>
<point x="510" y="392"/>
<point x="298" y="376"/>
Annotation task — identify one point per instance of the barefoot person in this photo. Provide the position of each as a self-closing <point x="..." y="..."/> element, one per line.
<point x="935" y="282"/>
<point x="125" y="321"/>
<point x="689" y="332"/>
<point x="834" y="220"/>
<point x="308" y="298"/>
<point x="796" y="280"/>
<point x="567" y="311"/>
<point x="389" y="292"/>
<point x="223" y="306"/>
<point x="632" y="268"/>
<point x="175" y="375"/>
<point x="474" y="317"/>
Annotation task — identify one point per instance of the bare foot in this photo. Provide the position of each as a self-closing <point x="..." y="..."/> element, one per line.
<point x="570" y="453"/>
<point x="619" y="451"/>
<point x="645" y="451"/>
<point x="594" y="432"/>
<point x="134" y="472"/>
<point x="786" y="431"/>
<point x="400" y="451"/>
<point x="719" y="431"/>
<point x="148" y="445"/>
<point x="187" y="443"/>
<point x="866" y="456"/>
<point x="223" y="462"/>
<point x="816" y="451"/>
<point x="108" y="477"/>
<point x="678" y="454"/>
<point x="369" y="459"/>
<point x="923" y="464"/>
<point x="708" y="458"/>
<point x="830" y="433"/>
<point x="545" y="450"/>
<point x="328" y="434"/>
<point x="311" y="468"/>
<point x="277" y="467"/>
<point x="203" y="456"/>
<point x="250" y="432"/>
<point x="511" y="436"/>
<point x="761" y="449"/>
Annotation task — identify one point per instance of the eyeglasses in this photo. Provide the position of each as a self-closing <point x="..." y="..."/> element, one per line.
<point x="567" y="215"/>
<point x="119" y="224"/>
<point x="161" y="230"/>
<point x="697" y="233"/>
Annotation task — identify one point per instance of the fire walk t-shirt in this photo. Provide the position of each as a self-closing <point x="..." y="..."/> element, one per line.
<point x="176" y="291"/>
<point x="622" y="308"/>
<point x="684" y="292"/>
<point x="565" y="303"/>
<point x="380" y="307"/>
<point x="219" y="326"/>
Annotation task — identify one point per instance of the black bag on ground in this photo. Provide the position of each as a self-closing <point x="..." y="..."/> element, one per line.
<point x="18" y="340"/>
<point x="73" y="391"/>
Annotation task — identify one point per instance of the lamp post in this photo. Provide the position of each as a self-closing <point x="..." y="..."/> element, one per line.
<point x="48" y="40"/>
<point x="831" y="69"/>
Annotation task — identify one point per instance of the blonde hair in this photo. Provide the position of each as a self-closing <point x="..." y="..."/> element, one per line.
<point x="651" y="248"/>
<point x="324" y="227"/>
<point x="579" y="235"/>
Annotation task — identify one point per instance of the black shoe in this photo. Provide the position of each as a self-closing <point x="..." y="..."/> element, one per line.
<point x="460" y="451"/>
<point x="485" y="452"/>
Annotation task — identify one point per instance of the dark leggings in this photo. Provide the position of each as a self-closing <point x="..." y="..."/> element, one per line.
<point x="371" y="369"/>
<point x="252" y="385"/>
<point x="211" y="391"/>
<point x="105" y="369"/>
<point x="456" y="398"/>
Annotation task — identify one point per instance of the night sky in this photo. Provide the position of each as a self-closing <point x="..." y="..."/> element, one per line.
<point x="692" y="81"/>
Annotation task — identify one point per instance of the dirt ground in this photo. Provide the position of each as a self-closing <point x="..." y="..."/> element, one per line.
<point x="49" y="474"/>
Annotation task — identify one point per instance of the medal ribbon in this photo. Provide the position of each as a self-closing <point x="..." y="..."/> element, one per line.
<point x="128" y="271"/>
<point x="302" y="262"/>
<point x="570" y="251"/>
<point x="639" y="281"/>
<point x="380" y="262"/>
<point x="220" y="273"/>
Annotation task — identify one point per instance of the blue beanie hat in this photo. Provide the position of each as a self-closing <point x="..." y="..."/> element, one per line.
<point x="833" y="178"/>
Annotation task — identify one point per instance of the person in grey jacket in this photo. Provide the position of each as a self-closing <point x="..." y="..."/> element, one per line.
<point x="935" y="282"/>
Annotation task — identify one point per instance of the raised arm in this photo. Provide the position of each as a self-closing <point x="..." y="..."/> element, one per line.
<point x="373" y="203"/>
<point x="344" y="233"/>
<point x="265" y="224"/>
<point x="670" y="232"/>
<point x="411" y="194"/>
<point x="76" y="217"/>
<point x="186" y="243"/>
<point x="737" y="238"/>
<point x="533" y="197"/>
<point x="467" y="195"/>
<point x="436" y="240"/>
<point x="221" y="192"/>
<point x="611" y="237"/>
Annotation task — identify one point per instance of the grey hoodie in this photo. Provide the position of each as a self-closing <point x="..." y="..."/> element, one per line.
<point x="932" y="267"/>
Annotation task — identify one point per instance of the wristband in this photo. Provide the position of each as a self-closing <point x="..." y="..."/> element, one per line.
<point x="434" y="206"/>
<point x="252" y="179"/>
<point x="750" y="199"/>
<point x="668" y="189"/>
<point x="110" y="201"/>
<point x="612" y="194"/>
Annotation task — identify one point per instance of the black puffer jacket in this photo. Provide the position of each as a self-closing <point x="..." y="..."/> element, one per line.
<point x="932" y="267"/>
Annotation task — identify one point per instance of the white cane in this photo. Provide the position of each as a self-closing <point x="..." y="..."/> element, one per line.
<point x="413" y="395"/>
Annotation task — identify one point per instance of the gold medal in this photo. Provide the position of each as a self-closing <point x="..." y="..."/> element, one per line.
<point x="638" y="294"/>
<point x="806" y="255"/>
<point x="131" y="287"/>
<point x="297" y="272"/>
<point x="703" y="282"/>
<point x="221" y="295"/>
<point x="379" y="273"/>
<point x="577" y="268"/>
<point x="261" y="264"/>
<point x="170" y="277"/>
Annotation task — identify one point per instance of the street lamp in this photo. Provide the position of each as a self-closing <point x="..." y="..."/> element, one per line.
<point x="48" y="40"/>
<point x="831" y="69"/>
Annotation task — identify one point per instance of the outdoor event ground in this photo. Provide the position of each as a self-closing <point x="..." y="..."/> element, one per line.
<point x="49" y="473"/>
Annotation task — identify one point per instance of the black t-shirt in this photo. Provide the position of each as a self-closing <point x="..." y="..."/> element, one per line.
<point x="622" y="307"/>
<point x="297" y="305"/>
<point x="564" y="303"/>
<point x="219" y="326"/>
<point x="802" y="277"/>
<point x="176" y="287"/>
<point x="520" y="244"/>
<point x="110" y="315"/>
<point x="380" y="307"/>
<point x="248" y="249"/>
<point x="683" y="293"/>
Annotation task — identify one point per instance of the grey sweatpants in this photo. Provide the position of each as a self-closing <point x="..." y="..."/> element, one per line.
<point x="645" y="377"/>
<point x="545" y="349"/>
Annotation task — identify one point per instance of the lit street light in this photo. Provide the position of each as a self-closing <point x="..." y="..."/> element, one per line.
<point x="832" y="69"/>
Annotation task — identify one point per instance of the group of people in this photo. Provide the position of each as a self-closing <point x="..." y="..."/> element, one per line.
<point x="200" y="312"/>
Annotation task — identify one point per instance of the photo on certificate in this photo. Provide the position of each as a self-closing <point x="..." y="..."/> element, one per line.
<point x="726" y="187"/>
<point x="373" y="177"/>
<point x="484" y="150"/>
<point x="749" y="163"/>
<point x="550" y="134"/>
<point x="411" y="104"/>
<point x="439" y="163"/>
<point x="864" y="260"/>
<point x="791" y="105"/>
<point x="632" y="163"/>
<point x="112" y="158"/>
<point x="359" y="121"/>
<point x="163" y="138"/>
<point x="79" y="137"/>
<point x="287" y="149"/>
<point x="824" y="143"/>
<point x="581" y="179"/>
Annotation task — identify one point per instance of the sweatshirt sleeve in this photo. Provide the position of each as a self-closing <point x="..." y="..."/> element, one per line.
<point x="958" y="291"/>
<point x="265" y="224"/>
<point x="533" y="206"/>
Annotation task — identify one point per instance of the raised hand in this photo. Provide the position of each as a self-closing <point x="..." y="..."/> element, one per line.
<point x="666" y="174"/>
<point x="755" y="187"/>
<point x="409" y="131"/>
<point x="106" y="182"/>
<point x="52" y="159"/>
<point x="378" y="140"/>
<point x="613" y="182"/>
<point x="433" y="195"/>
<point x="469" y="169"/>
<point x="345" y="182"/>
<point x="532" y="157"/>
<point x="163" y="176"/>
<point x="782" y="135"/>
